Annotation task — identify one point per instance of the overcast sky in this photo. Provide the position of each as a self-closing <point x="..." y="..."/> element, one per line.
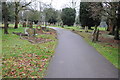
<point x="59" y="4"/>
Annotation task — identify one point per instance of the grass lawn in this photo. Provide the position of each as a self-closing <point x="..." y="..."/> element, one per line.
<point x="21" y="59"/>
<point x="12" y="25"/>
<point x="0" y="55"/>
<point x="109" y="52"/>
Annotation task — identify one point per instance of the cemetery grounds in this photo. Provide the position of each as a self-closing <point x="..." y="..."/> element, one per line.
<point x="22" y="58"/>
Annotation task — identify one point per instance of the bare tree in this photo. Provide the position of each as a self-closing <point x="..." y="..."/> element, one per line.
<point x="18" y="8"/>
<point x="110" y="9"/>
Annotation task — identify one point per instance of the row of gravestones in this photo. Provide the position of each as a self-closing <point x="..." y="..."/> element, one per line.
<point x="30" y="24"/>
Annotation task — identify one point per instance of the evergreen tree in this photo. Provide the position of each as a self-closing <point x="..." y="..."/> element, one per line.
<point x="68" y="16"/>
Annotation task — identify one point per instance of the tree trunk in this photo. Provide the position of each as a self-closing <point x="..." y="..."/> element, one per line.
<point x="97" y="35"/>
<point x="94" y="34"/>
<point x="5" y="15"/>
<point x="108" y="27"/>
<point x="117" y="33"/>
<point x="118" y="25"/>
<point x="111" y="27"/>
<point x="16" y="15"/>
<point x="16" y="22"/>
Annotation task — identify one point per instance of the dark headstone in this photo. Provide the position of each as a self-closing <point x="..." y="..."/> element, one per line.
<point x="30" y="25"/>
<point x="24" y="24"/>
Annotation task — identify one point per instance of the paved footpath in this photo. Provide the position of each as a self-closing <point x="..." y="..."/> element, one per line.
<point x="74" y="58"/>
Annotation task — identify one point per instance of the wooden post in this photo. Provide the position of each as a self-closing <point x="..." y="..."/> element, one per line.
<point x="94" y="34"/>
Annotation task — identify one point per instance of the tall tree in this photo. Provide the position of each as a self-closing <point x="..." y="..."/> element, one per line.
<point x="18" y="8"/>
<point x="50" y="15"/>
<point x="68" y="16"/>
<point x="11" y="14"/>
<point x="86" y="16"/>
<point x="31" y="15"/>
<point x="59" y="17"/>
<point x="0" y="11"/>
<point x="110" y="9"/>
<point x="5" y="17"/>
<point x="96" y="11"/>
<point x="118" y="24"/>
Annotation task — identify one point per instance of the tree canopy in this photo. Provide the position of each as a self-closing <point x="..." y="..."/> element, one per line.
<point x="68" y="16"/>
<point x="50" y="15"/>
<point x="86" y="16"/>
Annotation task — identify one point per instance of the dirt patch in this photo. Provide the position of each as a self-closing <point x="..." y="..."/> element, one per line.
<point x="36" y="40"/>
<point x="108" y="40"/>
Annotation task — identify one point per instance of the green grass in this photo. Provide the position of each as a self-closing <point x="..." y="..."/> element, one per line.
<point x="77" y="28"/>
<point x="12" y="25"/>
<point x="109" y="53"/>
<point x="100" y="28"/>
<point x="0" y="54"/>
<point x="46" y="36"/>
<point x="14" y="48"/>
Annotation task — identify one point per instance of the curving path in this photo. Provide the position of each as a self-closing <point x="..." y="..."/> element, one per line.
<point x="74" y="58"/>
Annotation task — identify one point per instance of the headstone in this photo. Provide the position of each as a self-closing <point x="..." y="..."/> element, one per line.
<point x="30" y="25"/>
<point x="24" y="24"/>
<point x="86" y="28"/>
<point x="103" y="24"/>
<point x="30" y="31"/>
<point x="43" y="27"/>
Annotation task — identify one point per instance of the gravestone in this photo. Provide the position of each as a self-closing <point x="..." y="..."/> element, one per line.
<point x="103" y="24"/>
<point x="30" y="25"/>
<point x="24" y="24"/>
<point x="30" y="31"/>
<point x="43" y="27"/>
<point x="86" y="28"/>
